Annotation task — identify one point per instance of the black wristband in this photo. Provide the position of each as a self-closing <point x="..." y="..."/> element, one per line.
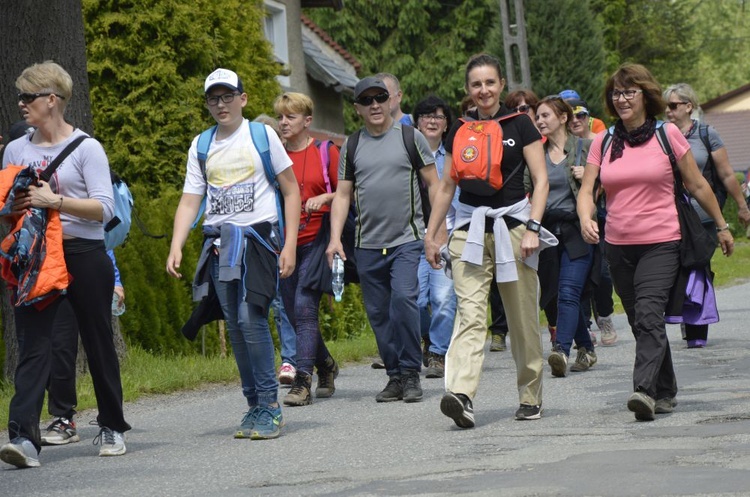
<point x="533" y="225"/>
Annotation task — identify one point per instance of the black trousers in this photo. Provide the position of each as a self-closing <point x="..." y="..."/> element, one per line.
<point x="90" y="296"/>
<point x="643" y="276"/>
<point x="61" y="387"/>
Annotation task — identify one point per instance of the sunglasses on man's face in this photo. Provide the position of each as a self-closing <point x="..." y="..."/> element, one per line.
<point x="27" y="98"/>
<point x="367" y="101"/>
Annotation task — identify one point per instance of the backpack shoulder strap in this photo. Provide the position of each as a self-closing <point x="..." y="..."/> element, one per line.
<point x="204" y="143"/>
<point x="351" y="149"/>
<point x="260" y="139"/>
<point x="709" y="172"/>
<point x="50" y="170"/>
<point x="407" y="133"/>
<point x="325" y="160"/>
<point x="579" y="150"/>
<point x="607" y="141"/>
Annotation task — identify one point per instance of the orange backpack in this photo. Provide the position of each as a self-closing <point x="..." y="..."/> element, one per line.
<point x="478" y="154"/>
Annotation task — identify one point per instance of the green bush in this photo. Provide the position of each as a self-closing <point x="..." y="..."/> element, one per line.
<point x="147" y="61"/>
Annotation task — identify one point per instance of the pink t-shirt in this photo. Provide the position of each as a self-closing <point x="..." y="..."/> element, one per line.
<point x="640" y="190"/>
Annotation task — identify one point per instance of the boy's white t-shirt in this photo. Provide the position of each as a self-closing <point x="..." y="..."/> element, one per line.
<point x="238" y="190"/>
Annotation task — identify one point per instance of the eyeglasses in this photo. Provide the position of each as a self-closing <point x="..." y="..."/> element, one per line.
<point x="674" y="105"/>
<point x="27" y="98"/>
<point x="628" y="94"/>
<point x="226" y="98"/>
<point x="433" y="117"/>
<point x="367" y="101"/>
<point x="581" y="116"/>
<point x="523" y="108"/>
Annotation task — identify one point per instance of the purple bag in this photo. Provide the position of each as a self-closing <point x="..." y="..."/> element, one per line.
<point x="699" y="306"/>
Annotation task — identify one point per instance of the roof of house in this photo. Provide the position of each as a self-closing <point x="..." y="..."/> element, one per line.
<point x="327" y="38"/>
<point x="734" y="129"/>
<point x="707" y="106"/>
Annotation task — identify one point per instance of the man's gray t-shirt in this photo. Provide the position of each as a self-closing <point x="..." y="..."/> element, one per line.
<point x="386" y="189"/>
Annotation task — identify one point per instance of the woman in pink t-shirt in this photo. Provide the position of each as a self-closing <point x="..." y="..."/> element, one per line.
<point x="643" y="232"/>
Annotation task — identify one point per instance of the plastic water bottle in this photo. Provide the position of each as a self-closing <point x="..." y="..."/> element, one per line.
<point x="118" y="305"/>
<point x="338" y="277"/>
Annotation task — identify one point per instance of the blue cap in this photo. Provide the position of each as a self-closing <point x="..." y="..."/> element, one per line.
<point x="569" y="94"/>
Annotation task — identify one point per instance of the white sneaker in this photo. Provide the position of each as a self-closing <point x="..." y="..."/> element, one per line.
<point x="112" y="443"/>
<point x="609" y="335"/>
<point x="287" y="372"/>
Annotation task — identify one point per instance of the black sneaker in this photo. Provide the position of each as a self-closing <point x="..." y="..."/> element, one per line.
<point x="412" y="386"/>
<point x="527" y="412"/>
<point x="435" y="366"/>
<point x="392" y="392"/>
<point x="458" y="407"/>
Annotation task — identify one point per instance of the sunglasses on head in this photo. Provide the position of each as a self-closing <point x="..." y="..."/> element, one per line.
<point x="674" y="105"/>
<point x="379" y="98"/>
<point x="27" y="98"/>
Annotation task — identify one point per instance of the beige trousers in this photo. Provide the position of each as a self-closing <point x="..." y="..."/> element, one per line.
<point x="463" y="362"/>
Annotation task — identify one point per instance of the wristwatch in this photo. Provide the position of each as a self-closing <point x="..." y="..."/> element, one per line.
<point x="719" y="230"/>
<point x="533" y="225"/>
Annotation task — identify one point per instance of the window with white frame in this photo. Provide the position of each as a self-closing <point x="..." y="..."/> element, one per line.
<point x="274" y="28"/>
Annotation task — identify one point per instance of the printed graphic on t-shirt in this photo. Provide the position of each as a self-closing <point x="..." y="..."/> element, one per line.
<point x="40" y="165"/>
<point x="236" y="198"/>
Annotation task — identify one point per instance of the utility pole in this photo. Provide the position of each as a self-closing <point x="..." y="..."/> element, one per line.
<point x="514" y="46"/>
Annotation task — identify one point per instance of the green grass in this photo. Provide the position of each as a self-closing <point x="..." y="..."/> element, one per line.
<point x="145" y="374"/>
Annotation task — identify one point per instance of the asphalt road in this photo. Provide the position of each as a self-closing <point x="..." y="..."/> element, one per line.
<point x="587" y="443"/>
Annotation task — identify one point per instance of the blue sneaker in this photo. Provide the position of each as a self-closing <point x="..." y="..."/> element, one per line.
<point x="267" y="423"/>
<point x="248" y="423"/>
<point x="21" y="453"/>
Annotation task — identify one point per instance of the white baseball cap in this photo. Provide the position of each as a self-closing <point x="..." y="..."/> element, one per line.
<point x="223" y="77"/>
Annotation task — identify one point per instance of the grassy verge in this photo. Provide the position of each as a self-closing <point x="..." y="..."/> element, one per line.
<point x="146" y="374"/>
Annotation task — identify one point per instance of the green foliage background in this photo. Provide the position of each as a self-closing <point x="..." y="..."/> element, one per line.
<point x="147" y="60"/>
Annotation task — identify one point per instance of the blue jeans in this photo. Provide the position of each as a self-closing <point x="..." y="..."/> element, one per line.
<point x="571" y="320"/>
<point x="436" y="294"/>
<point x="251" y="341"/>
<point x="287" y="336"/>
<point x="303" y="305"/>
<point x="390" y="288"/>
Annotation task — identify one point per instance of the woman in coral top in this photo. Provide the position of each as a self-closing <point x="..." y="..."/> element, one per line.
<point x="317" y="189"/>
<point x="643" y="232"/>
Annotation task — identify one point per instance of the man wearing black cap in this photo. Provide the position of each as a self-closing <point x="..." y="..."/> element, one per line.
<point x="390" y="227"/>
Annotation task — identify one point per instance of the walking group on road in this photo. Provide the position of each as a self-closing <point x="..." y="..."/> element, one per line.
<point x="518" y="205"/>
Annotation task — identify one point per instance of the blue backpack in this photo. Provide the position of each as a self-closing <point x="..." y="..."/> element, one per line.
<point x="260" y="140"/>
<point x="117" y="229"/>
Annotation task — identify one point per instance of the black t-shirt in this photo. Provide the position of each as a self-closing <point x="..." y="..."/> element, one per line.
<point x="518" y="132"/>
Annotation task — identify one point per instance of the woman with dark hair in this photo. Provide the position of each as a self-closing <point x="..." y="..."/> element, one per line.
<point x="713" y="162"/>
<point x="500" y="233"/>
<point x="565" y="269"/>
<point x="437" y="300"/>
<point x="523" y="101"/>
<point x="643" y="231"/>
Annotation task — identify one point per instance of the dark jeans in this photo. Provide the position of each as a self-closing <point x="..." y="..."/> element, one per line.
<point x="90" y="295"/>
<point x="643" y="276"/>
<point x="390" y="288"/>
<point x="302" y="305"/>
<point x="571" y="322"/>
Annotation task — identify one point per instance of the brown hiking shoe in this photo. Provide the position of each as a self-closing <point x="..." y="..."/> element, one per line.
<point x="299" y="394"/>
<point x="326" y="375"/>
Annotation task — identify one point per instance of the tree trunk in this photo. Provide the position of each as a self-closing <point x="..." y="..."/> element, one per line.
<point x="33" y="31"/>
